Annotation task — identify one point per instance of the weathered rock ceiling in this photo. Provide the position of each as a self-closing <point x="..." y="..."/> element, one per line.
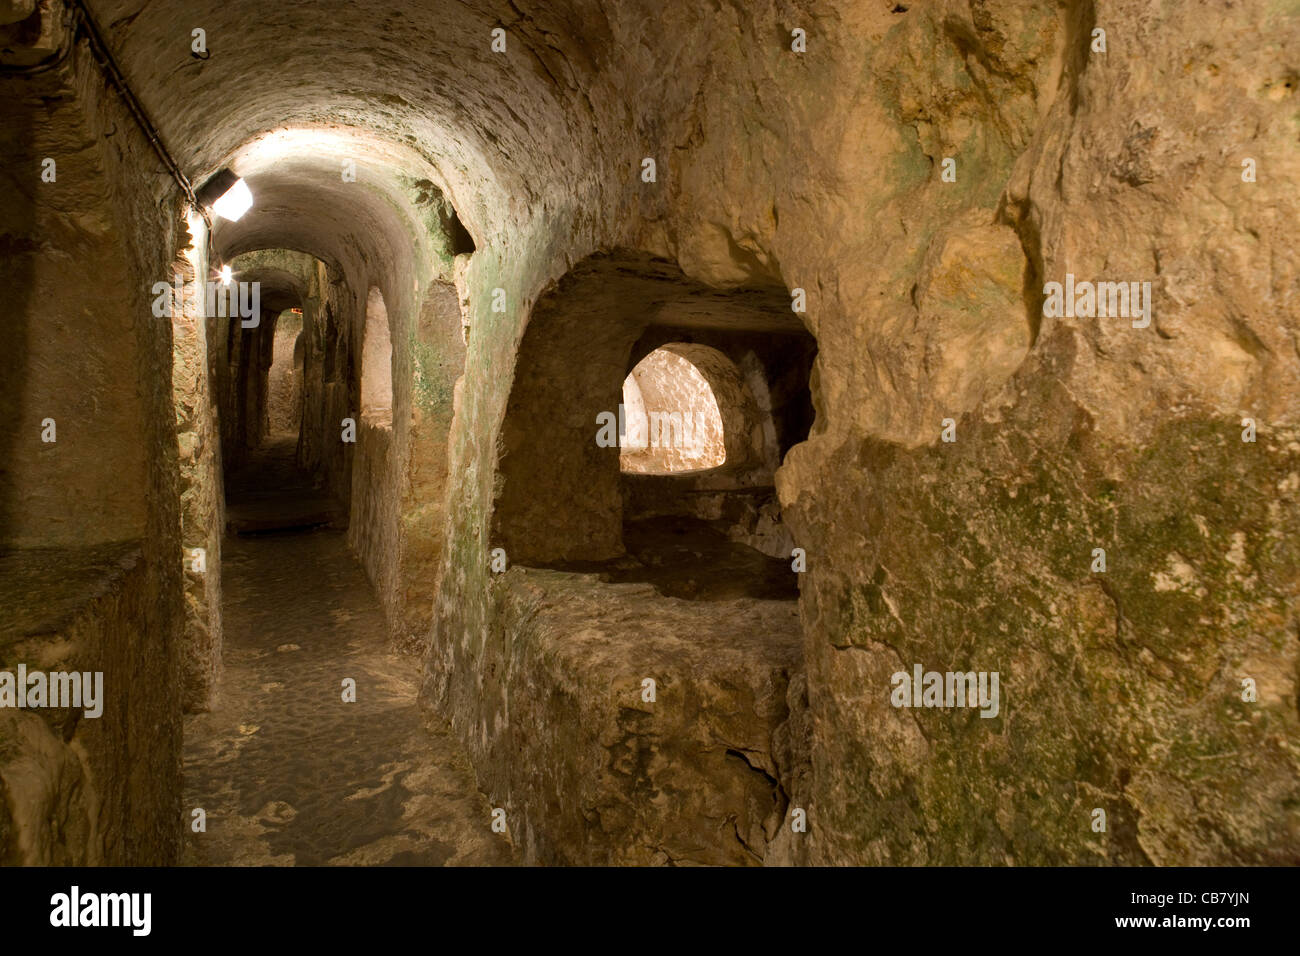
<point x="411" y="90"/>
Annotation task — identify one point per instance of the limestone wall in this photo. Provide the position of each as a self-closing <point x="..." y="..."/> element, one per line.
<point x="103" y="232"/>
<point x="200" y="479"/>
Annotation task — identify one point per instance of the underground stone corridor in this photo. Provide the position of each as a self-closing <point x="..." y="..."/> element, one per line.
<point x="287" y="773"/>
<point x="621" y="433"/>
<point x="286" y="770"/>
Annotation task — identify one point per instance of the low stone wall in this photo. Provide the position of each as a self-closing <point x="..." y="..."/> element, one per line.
<point x="73" y="789"/>
<point x="589" y="771"/>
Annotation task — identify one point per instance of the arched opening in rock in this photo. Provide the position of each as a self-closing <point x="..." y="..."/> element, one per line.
<point x="695" y="527"/>
<point x="377" y="364"/>
<point x="284" y="386"/>
<point x="670" y="421"/>
<point x="270" y="389"/>
<point x="717" y="532"/>
<point x="253" y="326"/>
<point x="610" y="550"/>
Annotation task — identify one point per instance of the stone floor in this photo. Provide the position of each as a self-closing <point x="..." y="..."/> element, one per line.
<point x="269" y="492"/>
<point x="290" y="774"/>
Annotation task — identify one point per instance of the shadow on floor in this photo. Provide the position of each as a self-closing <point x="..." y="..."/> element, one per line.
<point x="688" y="558"/>
<point x="269" y="492"/>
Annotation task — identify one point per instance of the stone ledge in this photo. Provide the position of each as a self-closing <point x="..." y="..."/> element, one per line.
<point x="591" y="773"/>
<point x="67" y="781"/>
<point x="45" y="590"/>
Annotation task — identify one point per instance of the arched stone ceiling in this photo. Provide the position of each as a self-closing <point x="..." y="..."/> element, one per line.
<point x="303" y="202"/>
<point x="419" y="75"/>
<point x="280" y="290"/>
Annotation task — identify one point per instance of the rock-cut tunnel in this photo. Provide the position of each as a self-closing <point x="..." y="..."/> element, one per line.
<point x="642" y="432"/>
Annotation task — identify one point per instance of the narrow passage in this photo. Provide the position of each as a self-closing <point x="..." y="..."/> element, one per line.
<point x="287" y="772"/>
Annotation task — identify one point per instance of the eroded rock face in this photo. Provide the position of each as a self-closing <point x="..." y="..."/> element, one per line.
<point x="85" y="785"/>
<point x="1107" y="436"/>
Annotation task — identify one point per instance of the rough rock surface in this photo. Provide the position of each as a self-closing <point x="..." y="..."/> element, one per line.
<point x="79" y="789"/>
<point x="82" y="253"/>
<point x="199" y="483"/>
<point x="589" y="770"/>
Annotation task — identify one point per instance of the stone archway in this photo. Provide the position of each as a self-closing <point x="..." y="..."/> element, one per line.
<point x="377" y="364"/>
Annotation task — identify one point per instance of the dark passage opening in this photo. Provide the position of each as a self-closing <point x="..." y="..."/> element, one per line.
<point x="267" y="379"/>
